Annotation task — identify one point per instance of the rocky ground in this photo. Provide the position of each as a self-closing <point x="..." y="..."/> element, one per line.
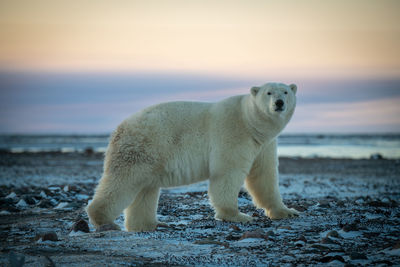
<point x="350" y="216"/>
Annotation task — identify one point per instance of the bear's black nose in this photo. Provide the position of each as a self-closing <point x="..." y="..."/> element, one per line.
<point x="279" y="103"/>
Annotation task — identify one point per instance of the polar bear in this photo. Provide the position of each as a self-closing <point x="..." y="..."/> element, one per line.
<point x="230" y="142"/>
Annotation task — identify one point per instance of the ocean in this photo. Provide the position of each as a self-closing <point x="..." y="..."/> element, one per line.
<point x="356" y="146"/>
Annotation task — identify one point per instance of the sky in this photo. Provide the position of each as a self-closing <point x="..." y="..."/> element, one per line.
<point x="84" y="66"/>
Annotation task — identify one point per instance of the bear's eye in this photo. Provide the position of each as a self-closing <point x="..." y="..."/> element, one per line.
<point x="269" y="93"/>
<point x="285" y="93"/>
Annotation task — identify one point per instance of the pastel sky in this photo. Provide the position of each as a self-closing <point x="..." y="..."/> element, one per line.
<point x="83" y="66"/>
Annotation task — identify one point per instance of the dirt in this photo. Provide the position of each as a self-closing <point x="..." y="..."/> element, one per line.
<point x="350" y="215"/>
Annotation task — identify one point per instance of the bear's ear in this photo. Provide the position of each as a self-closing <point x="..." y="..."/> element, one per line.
<point x="293" y="87"/>
<point x="254" y="90"/>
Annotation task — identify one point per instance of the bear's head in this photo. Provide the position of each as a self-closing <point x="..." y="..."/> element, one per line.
<point x="276" y="100"/>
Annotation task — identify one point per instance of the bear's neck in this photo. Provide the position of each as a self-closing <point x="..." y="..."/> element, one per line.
<point x="261" y="127"/>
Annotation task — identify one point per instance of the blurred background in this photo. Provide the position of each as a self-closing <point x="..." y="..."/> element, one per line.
<point x="78" y="68"/>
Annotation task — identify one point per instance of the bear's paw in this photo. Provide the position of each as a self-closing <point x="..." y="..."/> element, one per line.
<point x="282" y="213"/>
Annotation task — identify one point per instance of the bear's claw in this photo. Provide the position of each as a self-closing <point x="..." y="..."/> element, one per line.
<point x="282" y="213"/>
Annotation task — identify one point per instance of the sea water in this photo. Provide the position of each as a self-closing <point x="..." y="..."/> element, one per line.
<point x="290" y="145"/>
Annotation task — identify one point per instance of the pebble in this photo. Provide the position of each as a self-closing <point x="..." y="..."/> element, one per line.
<point x="45" y="203"/>
<point x="324" y="204"/>
<point x="333" y="233"/>
<point x="108" y="227"/>
<point x="285" y="227"/>
<point x="89" y="151"/>
<point x="350" y="227"/>
<point x="320" y="247"/>
<point x="49" y="236"/>
<point x="234" y="227"/>
<point x="327" y="259"/>
<point x="327" y="240"/>
<point x="258" y="233"/>
<point x="80" y="225"/>
<point x="358" y="256"/>
<point x="30" y="200"/>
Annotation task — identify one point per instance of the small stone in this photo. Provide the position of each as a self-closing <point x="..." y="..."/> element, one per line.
<point x="89" y="151"/>
<point x="358" y="256"/>
<point x="50" y="236"/>
<point x="302" y="238"/>
<point x="80" y="225"/>
<point x="285" y="227"/>
<point x="320" y="247"/>
<point x="378" y="204"/>
<point x="108" y="227"/>
<point x="333" y="233"/>
<point x="45" y="203"/>
<point x="234" y="227"/>
<point x="271" y="233"/>
<point x="232" y="237"/>
<point x="258" y="233"/>
<point x="324" y="203"/>
<point x="29" y="200"/>
<point x="327" y="240"/>
<point x="327" y="259"/>
<point x="350" y="227"/>
<point x="396" y="245"/>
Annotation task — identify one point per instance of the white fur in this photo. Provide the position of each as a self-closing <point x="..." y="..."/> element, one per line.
<point x="178" y="143"/>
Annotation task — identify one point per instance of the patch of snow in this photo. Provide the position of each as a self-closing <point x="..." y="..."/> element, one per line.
<point x="244" y="201"/>
<point x="61" y="205"/>
<point x="4" y="212"/>
<point x="54" y="188"/>
<point x="66" y="188"/>
<point x="335" y="263"/>
<point x="251" y="240"/>
<point x="371" y="216"/>
<point x="22" y="204"/>
<point x="43" y="194"/>
<point x="300" y="242"/>
<point x="81" y="197"/>
<point x="77" y="233"/>
<point x="11" y="195"/>
<point x="350" y="234"/>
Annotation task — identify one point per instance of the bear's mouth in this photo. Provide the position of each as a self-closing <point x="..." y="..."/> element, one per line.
<point x="278" y="109"/>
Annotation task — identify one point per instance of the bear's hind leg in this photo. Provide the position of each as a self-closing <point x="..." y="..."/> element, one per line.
<point x="110" y="199"/>
<point x="141" y="215"/>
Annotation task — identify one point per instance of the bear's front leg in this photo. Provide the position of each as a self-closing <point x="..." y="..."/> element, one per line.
<point x="224" y="191"/>
<point x="263" y="184"/>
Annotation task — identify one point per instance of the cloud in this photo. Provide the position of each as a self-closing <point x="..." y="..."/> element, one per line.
<point x="97" y="102"/>
<point x="381" y="115"/>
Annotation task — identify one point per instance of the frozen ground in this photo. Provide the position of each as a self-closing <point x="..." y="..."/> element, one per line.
<point x="350" y="216"/>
